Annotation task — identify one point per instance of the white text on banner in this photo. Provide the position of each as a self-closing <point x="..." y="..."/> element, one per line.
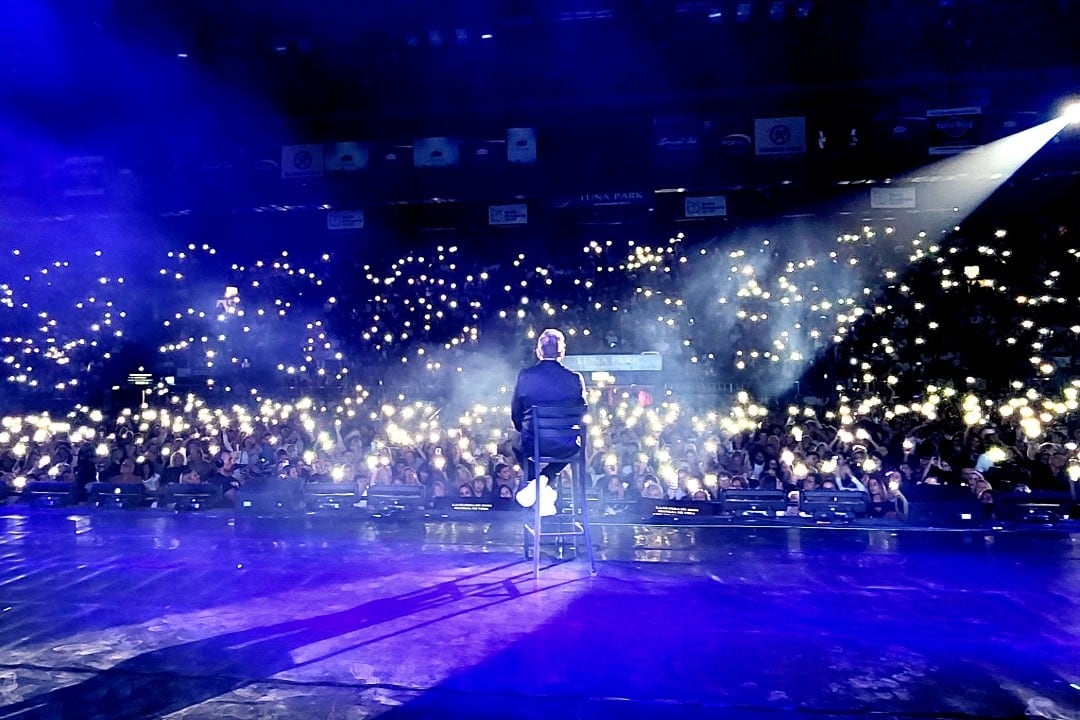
<point x="346" y="157"/>
<point x="780" y="136"/>
<point x="301" y="161"/>
<point x="345" y="220"/>
<point x="892" y="197"/>
<point x="645" y="362"/>
<point x="521" y="145"/>
<point x="517" y="214"/>
<point x="706" y="206"/>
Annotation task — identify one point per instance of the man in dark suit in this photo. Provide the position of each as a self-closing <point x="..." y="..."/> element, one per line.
<point x="548" y="382"/>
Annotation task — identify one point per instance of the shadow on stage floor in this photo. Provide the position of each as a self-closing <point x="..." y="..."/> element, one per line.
<point x="132" y="615"/>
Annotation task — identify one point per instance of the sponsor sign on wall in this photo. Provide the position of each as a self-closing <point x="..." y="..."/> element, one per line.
<point x="517" y="214"/>
<point x="301" y="161"/>
<point x="706" y="206"/>
<point x="780" y="136"/>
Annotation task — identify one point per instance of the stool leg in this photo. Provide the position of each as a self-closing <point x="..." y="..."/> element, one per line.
<point x="536" y="527"/>
<point x="585" y="523"/>
<point x="525" y="537"/>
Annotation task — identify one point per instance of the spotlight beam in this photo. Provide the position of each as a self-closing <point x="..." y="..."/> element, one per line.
<point x="950" y="189"/>
<point x="965" y="181"/>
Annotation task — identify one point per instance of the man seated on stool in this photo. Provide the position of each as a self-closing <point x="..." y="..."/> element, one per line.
<point x="547" y="383"/>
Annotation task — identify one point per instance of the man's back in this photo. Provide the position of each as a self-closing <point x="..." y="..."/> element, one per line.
<point x="548" y="383"/>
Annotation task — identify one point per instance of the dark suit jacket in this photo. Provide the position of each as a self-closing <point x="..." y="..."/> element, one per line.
<point x="548" y="382"/>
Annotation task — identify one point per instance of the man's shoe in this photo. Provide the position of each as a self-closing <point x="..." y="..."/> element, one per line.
<point x="526" y="496"/>
<point x="548" y="496"/>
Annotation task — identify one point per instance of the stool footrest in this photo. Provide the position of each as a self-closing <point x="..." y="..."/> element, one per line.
<point x="577" y="529"/>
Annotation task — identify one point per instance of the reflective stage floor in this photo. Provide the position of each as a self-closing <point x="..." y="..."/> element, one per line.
<point x="137" y="614"/>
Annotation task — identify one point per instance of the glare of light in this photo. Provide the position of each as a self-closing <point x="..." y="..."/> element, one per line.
<point x="1071" y="113"/>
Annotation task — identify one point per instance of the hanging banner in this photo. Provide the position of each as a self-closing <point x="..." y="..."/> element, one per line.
<point x="706" y="206"/>
<point x="345" y="220"/>
<point x="301" y="161"/>
<point x="521" y="145"/>
<point x="84" y="176"/>
<point x="954" y="130"/>
<point x="780" y="136"/>
<point x="677" y="134"/>
<point x="645" y="362"/>
<point x="435" y="152"/>
<point x="633" y="197"/>
<point x="517" y="214"/>
<point x="884" y="198"/>
<point x="346" y="157"/>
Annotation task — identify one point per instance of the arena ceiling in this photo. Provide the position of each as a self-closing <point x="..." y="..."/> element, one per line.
<point x="178" y="96"/>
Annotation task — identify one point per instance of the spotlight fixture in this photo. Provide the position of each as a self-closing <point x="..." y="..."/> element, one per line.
<point x="1071" y="113"/>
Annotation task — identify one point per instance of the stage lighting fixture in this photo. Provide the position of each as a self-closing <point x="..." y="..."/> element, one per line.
<point x="1071" y="113"/>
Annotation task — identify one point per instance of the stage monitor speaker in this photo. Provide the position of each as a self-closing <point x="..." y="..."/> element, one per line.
<point x="331" y="497"/>
<point x="116" y="495"/>
<point x="190" y="497"/>
<point x="48" y="493"/>
<point x="834" y="504"/>
<point x="389" y="500"/>
<point x="270" y="496"/>
<point x="940" y="506"/>
<point x="1038" y="508"/>
<point x="754" y="503"/>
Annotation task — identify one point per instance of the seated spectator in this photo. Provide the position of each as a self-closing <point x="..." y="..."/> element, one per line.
<point x="189" y="479"/>
<point x="196" y="459"/>
<point x="970" y="476"/>
<point x="700" y="495"/>
<point x="652" y="489"/>
<point x="881" y="503"/>
<point x="126" y="475"/>
<point x="615" y="489"/>
<point x="480" y="488"/>
<point x="225" y="478"/>
<point x="1049" y="473"/>
<point x="502" y="475"/>
<point x="409" y="476"/>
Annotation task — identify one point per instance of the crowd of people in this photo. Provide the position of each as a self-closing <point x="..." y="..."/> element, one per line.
<point x="874" y="359"/>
